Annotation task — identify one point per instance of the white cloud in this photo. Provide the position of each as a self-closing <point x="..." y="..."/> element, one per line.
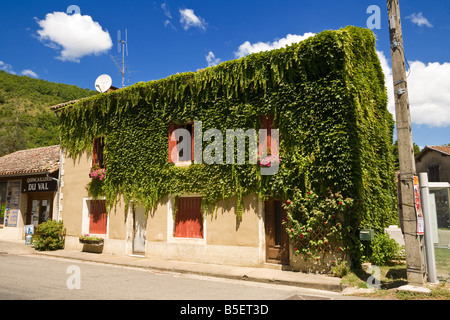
<point x="29" y="73"/>
<point x="6" y="67"/>
<point x="388" y="81"/>
<point x="166" y="10"/>
<point x="77" y="35"/>
<point x="248" y="48"/>
<point x="189" y="19"/>
<point x="168" y="21"/>
<point x="428" y="92"/>
<point x="211" y="59"/>
<point x="420" y="20"/>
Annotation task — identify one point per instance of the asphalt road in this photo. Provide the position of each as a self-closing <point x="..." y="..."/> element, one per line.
<point x="43" y="278"/>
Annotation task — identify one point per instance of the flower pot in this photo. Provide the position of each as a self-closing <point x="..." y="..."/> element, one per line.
<point x="92" y="242"/>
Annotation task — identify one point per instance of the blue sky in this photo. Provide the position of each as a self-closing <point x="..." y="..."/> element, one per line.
<point x="42" y="39"/>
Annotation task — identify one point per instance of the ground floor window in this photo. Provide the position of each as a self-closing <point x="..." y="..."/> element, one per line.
<point x="98" y="218"/>
<point x="189" y="218"/>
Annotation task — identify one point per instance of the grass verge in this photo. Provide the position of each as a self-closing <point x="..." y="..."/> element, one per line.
<point x="390" y="278"/>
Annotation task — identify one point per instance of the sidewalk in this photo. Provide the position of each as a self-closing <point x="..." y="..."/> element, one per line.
<point x="263" y="274"/>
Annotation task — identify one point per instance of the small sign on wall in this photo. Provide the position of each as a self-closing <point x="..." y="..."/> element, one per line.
<point x="29" y="229"/>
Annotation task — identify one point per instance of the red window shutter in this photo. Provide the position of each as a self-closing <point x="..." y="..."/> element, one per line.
<point x="95" y="152"/>
<point x="172" y="143"/>
<point x="273" y="149"/>
<point x="267" y="124"/>
<point x="98" y="217"/>
<point x="189" y="218"/>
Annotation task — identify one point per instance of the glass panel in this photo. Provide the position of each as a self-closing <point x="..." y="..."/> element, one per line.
<point x="45" y="210"/>
<point x="35" y="205"/>
<point x="440" y="222"/>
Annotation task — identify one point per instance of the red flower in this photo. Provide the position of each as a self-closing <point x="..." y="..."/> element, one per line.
<point x="288" y="202"/>
<point x="301" y="235"/>
<point x="340" y="202"/>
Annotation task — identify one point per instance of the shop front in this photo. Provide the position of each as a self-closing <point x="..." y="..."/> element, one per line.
<point x="28" y="190"/>
<point x="40" y="192"/>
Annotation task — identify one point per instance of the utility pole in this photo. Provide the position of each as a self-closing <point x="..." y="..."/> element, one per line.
<point x="415" y="266"/>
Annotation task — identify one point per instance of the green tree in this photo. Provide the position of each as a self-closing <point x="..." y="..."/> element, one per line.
<point x="395" y="153"/>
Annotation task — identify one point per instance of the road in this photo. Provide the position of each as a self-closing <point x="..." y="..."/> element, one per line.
<point x="46" y="278"/>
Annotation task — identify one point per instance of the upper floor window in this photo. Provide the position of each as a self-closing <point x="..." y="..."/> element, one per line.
<point x="268" y="142"/>
<point x="97" y="153"/>
<point x="181" y="143"/>
<point x="433" y="173"/>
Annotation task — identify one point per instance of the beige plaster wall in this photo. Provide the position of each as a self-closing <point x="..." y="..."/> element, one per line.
<point x="75" y="177"/>
<point x="432" y="158"/>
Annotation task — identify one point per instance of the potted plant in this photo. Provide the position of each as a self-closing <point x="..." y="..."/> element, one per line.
<point x="92" y="240"/>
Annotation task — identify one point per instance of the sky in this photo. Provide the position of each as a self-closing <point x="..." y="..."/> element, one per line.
<point x="74" y="42"/>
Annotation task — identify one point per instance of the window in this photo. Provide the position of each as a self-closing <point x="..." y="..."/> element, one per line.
<point x="189" y="218"/>
<point x="269" y="142"/>
<point x="98" y="217"/>
<point x="433" y="173"/>
<point x="181" y="150"/>
<point x="97" y="153"/>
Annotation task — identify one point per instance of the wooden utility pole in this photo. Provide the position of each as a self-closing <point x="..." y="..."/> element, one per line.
<point x="415" y="266"/>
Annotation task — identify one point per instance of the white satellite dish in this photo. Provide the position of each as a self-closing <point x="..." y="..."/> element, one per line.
<point x="103" y="83"/>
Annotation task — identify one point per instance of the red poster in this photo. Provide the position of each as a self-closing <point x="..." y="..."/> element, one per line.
<point x="420" y="226"/>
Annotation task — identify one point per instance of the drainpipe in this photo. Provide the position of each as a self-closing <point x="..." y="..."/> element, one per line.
<point x="58" y="181"/>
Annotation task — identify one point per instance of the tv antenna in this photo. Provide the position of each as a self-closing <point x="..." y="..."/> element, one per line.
<point x="122" y="46"/>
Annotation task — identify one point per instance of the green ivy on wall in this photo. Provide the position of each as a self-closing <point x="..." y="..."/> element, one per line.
<point x="327" y="95"/>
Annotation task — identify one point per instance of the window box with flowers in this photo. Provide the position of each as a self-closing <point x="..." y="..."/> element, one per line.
<point x="95" y="187"/>
<point x="91" y="240"/>
<point x="267" y="158"/>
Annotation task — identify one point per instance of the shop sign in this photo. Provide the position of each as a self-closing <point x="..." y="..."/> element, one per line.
<point x="39" y="184"/>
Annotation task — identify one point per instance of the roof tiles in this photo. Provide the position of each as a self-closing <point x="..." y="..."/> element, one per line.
<point x="38" y="160"/>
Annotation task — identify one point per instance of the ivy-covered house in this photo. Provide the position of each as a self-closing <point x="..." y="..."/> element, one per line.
<point x="323" y="100"/>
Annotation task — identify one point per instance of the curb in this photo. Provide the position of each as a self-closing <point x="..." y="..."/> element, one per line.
<point x="261" y="275"/>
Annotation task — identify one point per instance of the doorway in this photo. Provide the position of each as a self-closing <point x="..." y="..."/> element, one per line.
<point x="277" y="239"/>
<point x="40" y="208"/>
<point x="140" y="230"/>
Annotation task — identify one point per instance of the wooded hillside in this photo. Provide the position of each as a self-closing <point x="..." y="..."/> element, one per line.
<point x="25" y="119"/>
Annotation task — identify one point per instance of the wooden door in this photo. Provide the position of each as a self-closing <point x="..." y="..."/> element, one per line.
<point x="189" y="218"/>
<point x="277" y="240"/>
<point x="140" y="230"/>
<point x="98" y="217"/>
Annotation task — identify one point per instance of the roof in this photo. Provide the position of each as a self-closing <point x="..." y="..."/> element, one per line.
<point x="62" y="105"/>
<point x="70" y="103"/>
<point x="40" y="160"/>
<point x="445" y="150"/>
